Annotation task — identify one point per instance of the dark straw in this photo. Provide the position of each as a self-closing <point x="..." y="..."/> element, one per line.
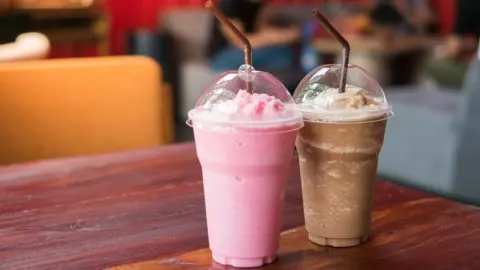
<point x="343" y="42"/>
<point x="247" y="48"/>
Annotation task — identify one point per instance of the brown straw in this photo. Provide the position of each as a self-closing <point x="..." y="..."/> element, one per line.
<point x="342" y="41"/>
<point x="247" y="48"/>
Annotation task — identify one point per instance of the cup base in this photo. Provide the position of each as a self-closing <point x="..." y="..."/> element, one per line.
<point x="337" y="242"/>
<point x="243" y="262"/>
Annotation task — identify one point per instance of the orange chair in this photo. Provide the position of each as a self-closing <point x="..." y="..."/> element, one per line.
<point x="68" y="107"/>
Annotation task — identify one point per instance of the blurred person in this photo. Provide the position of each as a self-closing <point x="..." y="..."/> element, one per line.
<point x="407" y="16"/>
<point x="421" y="16"/>
<point x="463" y="42"/>
<point x="270" y="40"/>
<point x="450" y="67"/>
<point x="392" y="19"/>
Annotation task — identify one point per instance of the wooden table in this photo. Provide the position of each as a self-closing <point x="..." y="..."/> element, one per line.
<point x="145" y="210"/>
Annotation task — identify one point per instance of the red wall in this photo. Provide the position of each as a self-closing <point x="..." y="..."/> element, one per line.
<point x="127" y="15"/>
<point x="445" y="10"/>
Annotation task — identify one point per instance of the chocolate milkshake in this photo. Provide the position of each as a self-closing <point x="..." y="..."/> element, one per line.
<point x="338" y="151"/>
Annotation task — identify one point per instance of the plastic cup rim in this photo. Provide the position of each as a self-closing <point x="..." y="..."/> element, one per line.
<point x="247" y="127"/>
<point x="389" y="114"/>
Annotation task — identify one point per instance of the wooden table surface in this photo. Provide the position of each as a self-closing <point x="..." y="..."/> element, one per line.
<point x="118" y="209"/>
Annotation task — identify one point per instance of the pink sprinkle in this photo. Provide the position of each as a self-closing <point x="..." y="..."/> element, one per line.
<point x="278" y="106"/>
<point x="257" y="106"/>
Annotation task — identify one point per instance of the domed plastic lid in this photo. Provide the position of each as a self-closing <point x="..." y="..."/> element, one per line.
<point x="227" y="105"/>
<point x="318" y="97"/>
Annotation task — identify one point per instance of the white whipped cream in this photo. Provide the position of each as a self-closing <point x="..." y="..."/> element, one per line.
<point x="247" y="108"/>
<point x="353" y="105"/>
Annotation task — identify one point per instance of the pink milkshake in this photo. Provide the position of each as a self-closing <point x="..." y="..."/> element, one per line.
<point x="245" y="145"/>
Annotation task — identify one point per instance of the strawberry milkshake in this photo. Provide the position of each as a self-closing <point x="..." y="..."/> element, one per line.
<point x="245" y="143"/>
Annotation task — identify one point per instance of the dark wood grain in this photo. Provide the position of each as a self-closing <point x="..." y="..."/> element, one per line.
<point x="432" y="233"/>
<point x="101" y="211"/>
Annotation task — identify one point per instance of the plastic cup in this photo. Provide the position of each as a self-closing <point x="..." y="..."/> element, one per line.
<point x="245" y="144"/>
<point x="338" y="152"/>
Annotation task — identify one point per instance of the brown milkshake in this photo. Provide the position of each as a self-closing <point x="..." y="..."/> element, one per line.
<point x="338" y="151"/>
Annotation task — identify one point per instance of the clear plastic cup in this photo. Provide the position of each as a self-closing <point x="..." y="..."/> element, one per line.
<point x="245" y="144"/>
<point x="338" y="151"/>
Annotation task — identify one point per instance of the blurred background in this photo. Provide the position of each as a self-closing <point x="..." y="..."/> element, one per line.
<point x="74" y="79"/>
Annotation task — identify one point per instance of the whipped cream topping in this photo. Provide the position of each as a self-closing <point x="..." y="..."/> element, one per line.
<point x="246" y="107"/>
<point x="355" y="104"/>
